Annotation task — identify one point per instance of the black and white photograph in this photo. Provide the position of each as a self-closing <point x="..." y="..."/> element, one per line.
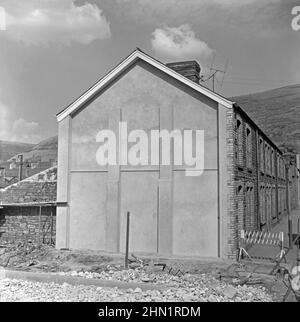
<point x="149" y="155"/>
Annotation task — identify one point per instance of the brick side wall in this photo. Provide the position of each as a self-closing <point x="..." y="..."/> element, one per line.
<point x="232" y="237"/>
<point x="256" y="180"/>
<point x="245" y="174"/>
<point x="259" y="196"/>
<point x="22" y="224"/>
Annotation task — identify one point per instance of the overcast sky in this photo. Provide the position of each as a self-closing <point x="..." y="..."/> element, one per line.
<point x="53" y="50"/>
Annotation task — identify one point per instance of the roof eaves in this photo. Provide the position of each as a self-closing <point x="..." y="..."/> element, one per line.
<point x="128" y="61"/>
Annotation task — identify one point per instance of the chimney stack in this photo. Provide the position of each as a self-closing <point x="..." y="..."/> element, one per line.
<point x="189" y="69"/>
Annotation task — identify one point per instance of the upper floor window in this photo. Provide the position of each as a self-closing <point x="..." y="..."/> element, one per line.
<point x="248" y="147"/>
<point x="266" y="159"/>
<point x="239" y="142"/>
<point x="272" y="162"/>
<point x="261" y="154"/>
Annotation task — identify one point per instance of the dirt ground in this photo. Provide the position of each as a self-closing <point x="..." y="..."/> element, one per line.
<point x="29" y="257"/>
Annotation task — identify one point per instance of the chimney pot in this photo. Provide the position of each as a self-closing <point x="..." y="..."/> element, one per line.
<point x="189" y="69"/>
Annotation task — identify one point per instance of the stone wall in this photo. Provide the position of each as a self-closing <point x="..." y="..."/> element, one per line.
<point x="20" y="219"/>
<point x="23" y="224"/>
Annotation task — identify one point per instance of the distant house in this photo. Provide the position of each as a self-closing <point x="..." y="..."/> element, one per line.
<point x="13" y="165"/>
<point x="10" y="169"/>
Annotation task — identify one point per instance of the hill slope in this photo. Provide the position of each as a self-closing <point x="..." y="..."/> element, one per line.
<point x="277" y="113"/>
<point x="9" y="149"/>
<point x="46" y="150"/>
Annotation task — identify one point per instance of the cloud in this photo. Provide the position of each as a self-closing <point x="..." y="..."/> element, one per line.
<point x="56" y="22"/>
<point x="3" y="121"/>
<point x="179" y="43"/>
<point x="240" y="15"/>
<point x="19" y="130"/>
<point x="26" y="131"/>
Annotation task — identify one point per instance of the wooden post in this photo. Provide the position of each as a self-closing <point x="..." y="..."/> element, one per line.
<point x="127" y="239"/>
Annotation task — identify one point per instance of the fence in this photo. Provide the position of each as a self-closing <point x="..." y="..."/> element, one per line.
<point x="263" y="238"/>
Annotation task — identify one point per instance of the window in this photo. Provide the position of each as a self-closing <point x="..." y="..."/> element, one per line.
<point x="262" y="205"/>
<point x="269" y="204"/>
<point x="274" y="214"/>
<point x="261" y="151"/>
<point x="277" y="165"/>
<point x="269" y="160"/>
<point x="249" y="207"/>
<point x="239" y="142"/>
<point x="272" y="163"/>
<point x="248" y="148"/>
<point x="241" y="207"/>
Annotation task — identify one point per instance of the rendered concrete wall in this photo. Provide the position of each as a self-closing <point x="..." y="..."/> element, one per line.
<point x="195" y="221"/>
<point x="62" y="213"/>
<point x="171" y="213"/>
<point x="139" y="195"/>
<point x="88" y="210"/>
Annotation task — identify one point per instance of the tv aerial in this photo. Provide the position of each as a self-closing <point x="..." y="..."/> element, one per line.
<point x="214" y="72"/>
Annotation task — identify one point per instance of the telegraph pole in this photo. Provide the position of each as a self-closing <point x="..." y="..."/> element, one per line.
<point x="20" y="157"/>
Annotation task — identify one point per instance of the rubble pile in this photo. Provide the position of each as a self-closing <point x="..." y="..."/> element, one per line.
<point x="205" y="289"/>
<point x="22" y="254"/>
<point x="172" y="281"/>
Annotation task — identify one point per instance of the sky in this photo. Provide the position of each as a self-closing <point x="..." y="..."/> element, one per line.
<point x="51" y="51"/>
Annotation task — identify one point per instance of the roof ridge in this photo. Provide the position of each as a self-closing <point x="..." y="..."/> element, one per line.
<point x="128" y="61"/>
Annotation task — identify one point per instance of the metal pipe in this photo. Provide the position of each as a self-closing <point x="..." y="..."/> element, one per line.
<point x="127" y="239"/>
<point x="290" y="229"/>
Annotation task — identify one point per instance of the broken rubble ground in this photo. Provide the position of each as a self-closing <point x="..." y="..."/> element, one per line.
<point x="205" y="290"/>
<point x="196" y="281"/>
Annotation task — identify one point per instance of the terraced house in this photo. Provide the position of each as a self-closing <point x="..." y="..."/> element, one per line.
<point x="246" y="183"/>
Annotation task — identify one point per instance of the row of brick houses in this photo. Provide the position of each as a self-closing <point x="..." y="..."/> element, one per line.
<point x="260" y="171"/>
<point x="265" y="177"/>
<point x="247" y="181"/>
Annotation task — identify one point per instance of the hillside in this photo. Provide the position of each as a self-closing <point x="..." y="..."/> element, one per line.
<point x="9" y="149"/>
<point x="45" y="150"/>
<point x="277" y="113"/>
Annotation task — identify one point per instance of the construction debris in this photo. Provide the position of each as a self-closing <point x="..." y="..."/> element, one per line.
<point x="22" y="254"/>
<point x="204" y="279"/>
<point x="138" y="262"/>
<point x="189" y="288"/>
